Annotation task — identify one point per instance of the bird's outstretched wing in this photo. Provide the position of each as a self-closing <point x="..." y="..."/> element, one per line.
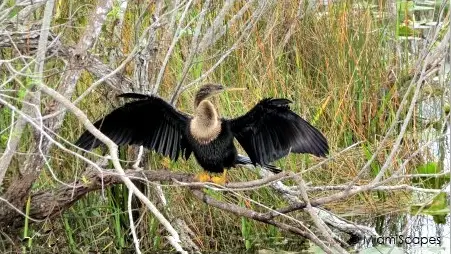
<point x="270" y="130"/>
<point x="148" y="121"/>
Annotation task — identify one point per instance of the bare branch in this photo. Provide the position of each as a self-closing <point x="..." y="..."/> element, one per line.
<point x="33" y="97"/>
<point x="325" y="231"/>
<point x="171" y="48"/>
<point x="19" y="189"/>
<point x="193" y="50"/>
<point x="132" y="222"/>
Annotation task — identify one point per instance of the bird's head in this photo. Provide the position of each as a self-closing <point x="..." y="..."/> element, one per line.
<point x="211" y="89"/>
<point x="208" y="90"/>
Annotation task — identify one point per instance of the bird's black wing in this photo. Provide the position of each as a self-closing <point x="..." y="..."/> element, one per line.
<point x="148" y="121"/>
<point x="270" y="130"/>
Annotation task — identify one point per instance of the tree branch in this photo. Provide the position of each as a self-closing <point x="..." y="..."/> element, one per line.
<point x="47" y="204"/>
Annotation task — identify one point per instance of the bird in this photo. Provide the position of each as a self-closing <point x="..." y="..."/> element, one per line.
<point x="269" y="131"/>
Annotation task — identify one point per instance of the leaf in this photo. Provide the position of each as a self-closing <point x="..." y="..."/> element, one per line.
<point x="375" y="167"/>
<point x="428" y="168"/>
<point x="85" y="180"/>
<point x="440" y="219"/>
<point x="430" y="182"/>
<point x="439" y="202"/>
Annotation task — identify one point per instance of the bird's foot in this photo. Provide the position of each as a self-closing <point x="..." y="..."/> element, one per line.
<point x="203" y="177"/>
<point x="220" y="180"/>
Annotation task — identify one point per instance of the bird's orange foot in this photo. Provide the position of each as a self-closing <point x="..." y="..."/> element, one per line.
<point x="220" y="180"/>
<point x="203" y="177"/>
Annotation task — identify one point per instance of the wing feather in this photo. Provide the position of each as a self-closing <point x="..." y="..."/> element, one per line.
<point x="147" y="121"/>
<point x="270" y="130"/>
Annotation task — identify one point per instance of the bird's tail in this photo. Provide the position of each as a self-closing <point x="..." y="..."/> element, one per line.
<point x="240" y="159"/>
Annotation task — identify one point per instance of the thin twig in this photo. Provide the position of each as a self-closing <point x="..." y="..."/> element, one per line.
<point x="171" y="48"/>
<point x="132" y="222"/>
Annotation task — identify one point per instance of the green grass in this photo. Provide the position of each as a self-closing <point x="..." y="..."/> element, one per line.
<point x="335" y="70"/>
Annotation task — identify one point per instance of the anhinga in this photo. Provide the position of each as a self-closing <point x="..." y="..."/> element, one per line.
<point x="268" y="132"/>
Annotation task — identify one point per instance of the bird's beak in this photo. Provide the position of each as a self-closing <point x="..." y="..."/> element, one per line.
<point x="236" y="89"/>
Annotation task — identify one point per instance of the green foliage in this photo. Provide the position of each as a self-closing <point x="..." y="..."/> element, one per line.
<point x="245" y="232"/>
<point x="434" y="182"/>
<point x="428" y="168"/>
<point x="69" y="234"/>
<point x="438" y="208"/>
<point x="26" y="232"/>
<point x="375" y="166"/>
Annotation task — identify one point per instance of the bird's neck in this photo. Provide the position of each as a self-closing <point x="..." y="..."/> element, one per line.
<point x="199" y="98"/>
<point x="205" y="125"/>
<point x="206" y="113"/>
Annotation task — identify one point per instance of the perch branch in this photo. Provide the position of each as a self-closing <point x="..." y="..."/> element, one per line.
<point x="47" y="204"/>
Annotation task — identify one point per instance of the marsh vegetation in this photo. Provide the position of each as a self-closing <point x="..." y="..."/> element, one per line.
<point x="372" y="76"/>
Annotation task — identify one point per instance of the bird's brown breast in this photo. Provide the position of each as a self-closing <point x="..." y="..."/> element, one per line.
<point x="204" y="132"/>
<point x="205" y="126"/>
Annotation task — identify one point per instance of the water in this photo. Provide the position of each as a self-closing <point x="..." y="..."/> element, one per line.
<point x="433" y="231"/>
<point x="421" y="235"/>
